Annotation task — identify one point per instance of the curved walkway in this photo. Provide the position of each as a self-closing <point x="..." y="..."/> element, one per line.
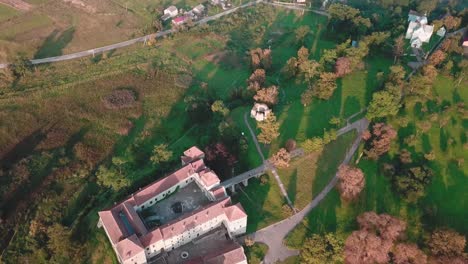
<point x="266" y="163"/>
<point x="274" y="235"/>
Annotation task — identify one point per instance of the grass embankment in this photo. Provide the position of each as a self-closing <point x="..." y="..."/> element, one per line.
<point x="255" y="253"/>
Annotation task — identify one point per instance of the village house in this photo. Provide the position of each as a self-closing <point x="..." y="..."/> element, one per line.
<point x="199" y="10"/>
<point x="135" y="242"/>
<point x="169" y="12"/>
<point x="419" y="31"/>
<point x="260" y="112"/>
<point x="180" y="20"/>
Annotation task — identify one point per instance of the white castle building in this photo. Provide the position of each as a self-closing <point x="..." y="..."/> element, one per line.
<point x="419" y="31"/>
<point x="133" y="242"/>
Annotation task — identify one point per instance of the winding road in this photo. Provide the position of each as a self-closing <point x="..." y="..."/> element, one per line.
<point x="274" y="235"/>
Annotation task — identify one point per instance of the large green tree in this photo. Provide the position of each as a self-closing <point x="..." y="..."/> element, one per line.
<point x="320" y="249"/>
<point x="161" y="153"/>
<point x="111" y="178"/>
<point x="384" y="103"/>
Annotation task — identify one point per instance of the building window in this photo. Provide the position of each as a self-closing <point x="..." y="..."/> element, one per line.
<point x="151" y="202"/>
<point x="143" y="207"/>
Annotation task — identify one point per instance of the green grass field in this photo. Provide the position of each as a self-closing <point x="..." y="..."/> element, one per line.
<point x="7" y="12"/>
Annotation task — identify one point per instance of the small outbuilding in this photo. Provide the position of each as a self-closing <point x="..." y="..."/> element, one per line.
<point x="260" y="112"/>
<point x="199" y="9"/>
<point x="441" y="32"/>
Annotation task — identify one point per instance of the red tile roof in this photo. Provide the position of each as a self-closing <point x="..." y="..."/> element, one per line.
<point x="203" y="215"/>
<point x="129" y="247"/>
<point x="231" y="256"/>
<point x="193" y="152"/>
<point x="151" y="238"/>
<point x="219" y="193"/>
<point x="209" y="178"/>
<point x="235" y="212"/>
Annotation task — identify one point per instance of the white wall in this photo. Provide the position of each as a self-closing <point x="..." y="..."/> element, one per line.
<point x="140" y="258"/>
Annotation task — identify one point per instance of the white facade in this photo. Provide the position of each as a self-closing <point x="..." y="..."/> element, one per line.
<point x="171" y="11"/>
<point x="260" y="112"/>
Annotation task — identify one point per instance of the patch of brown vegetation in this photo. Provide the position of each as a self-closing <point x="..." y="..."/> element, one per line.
<point x="17" y="4"/>
<point x="183" y="81"/>
<point x="118" y="99"/>
<point x="216" y="57"/>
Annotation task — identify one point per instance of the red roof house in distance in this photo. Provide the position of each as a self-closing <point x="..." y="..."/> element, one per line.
<point x="135" y="240"/>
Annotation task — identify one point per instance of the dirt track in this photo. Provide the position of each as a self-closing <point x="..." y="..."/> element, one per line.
<point x="17" y="4"/>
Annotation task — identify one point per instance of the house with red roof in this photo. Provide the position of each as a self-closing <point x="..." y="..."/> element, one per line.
<point x="135" y="242"/>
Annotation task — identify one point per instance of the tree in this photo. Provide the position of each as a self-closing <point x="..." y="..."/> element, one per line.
<point x="302" y="55"/>
<point x="261" y="58"/>
<point x="314" y="144"/>
<point x="326" y="85"/>
<point x="351" y="182"/>
<point x="301" y="33"/>
<point x="322" y="249"/>
<point x="219" y="157"/>
<point x="345" y="15"/>
<point x="386" y="226"/>
<point x="383" y="104"/>
<point x="219" y="107"/>
<point x="405" y="156"/>
<point x="447" y="243"/>
<point x="307" y="96"/>
<point x="267" y="95"/>
<point x="364" y="247"/>
<point x="269" y="129"/>
<point x="256" y="79"/>
<point x="290" y="145"/>
<point x="426" y="6"/>
<point x="281" y="159"/>
<point x="161" y="154"/>
<point x="411" y="182"/>
<point x="452" y="22"/>
<point x="111" y="178"/>
<point x="398" y="47"/>
<point x="342" y="67"/>
<point x="59" y="243"/>
<point x="437" y="57"/>
<point x="382" y="137"/>
<point x="290" y="69"/>
<point x="20" y="66"/>
<point x="308" y="69"/>
<point x="408" y="254"/>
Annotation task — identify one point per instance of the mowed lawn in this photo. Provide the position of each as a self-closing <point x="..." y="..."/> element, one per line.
<point x="308" y="175"/>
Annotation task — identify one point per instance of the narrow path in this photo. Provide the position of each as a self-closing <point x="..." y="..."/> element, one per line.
<point x="274" y="235"/>
<point x="266" y="163"/>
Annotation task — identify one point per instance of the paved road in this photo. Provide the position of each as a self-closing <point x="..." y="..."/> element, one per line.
<point x="274" y="235"/>
<point x="297" y="7"/>
<point x="92" y="52"/>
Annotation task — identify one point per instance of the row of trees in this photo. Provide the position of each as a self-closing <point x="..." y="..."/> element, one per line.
<point x="381" y="239"/>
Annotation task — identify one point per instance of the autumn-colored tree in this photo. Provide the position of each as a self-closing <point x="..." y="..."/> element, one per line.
<point x="342" y="67"/>
<point x="308" y="69"/>
<point x="301" y="32"/>
<point x="269" y="129"/>
<point x="386" y="226"/>
<point x="267" y="95"/>
<point x="290" y="69"/>
<point x="426" y="6"/>
<point x="281" y="159"/>
<point x="59" y="244"/>
<point x="452" y="22"/>
<point x="408" y="254"/>
<point x="326" y="85"/>
<point x="161" y="153"/>
<point x="307" y="96"/>
<point x="437" y="57"/>
<point x="290" y="145"/>
<point x="382" y="137"/>
<point x="447" y="243"/>
<point x="351" y="182"/>
<point x="364" y="247"/>
<point x="398" y="47"/>
<point x="256" y="79"/>
<point x="320" y="249"/>
<point x="260" y="58"/>
<point x="219" y="107"/>
<point x="384" y="103"/>
<point x="302" y="55"/>
<point x="405" y="156"/>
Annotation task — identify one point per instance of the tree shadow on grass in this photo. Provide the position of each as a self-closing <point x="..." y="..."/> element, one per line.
<point x="55" y="43"/>
<point x="292" y="186"/>
<point x="351" y="106"/>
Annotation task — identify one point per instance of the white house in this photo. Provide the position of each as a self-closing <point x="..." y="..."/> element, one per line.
<point x="419" y="31"/>
<point x="199" y="9"/>
<point x="134" y="243"/>
<point x="260" y="112"/>
<point x="169" y="12"/>
<point x="441" y="32"/>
